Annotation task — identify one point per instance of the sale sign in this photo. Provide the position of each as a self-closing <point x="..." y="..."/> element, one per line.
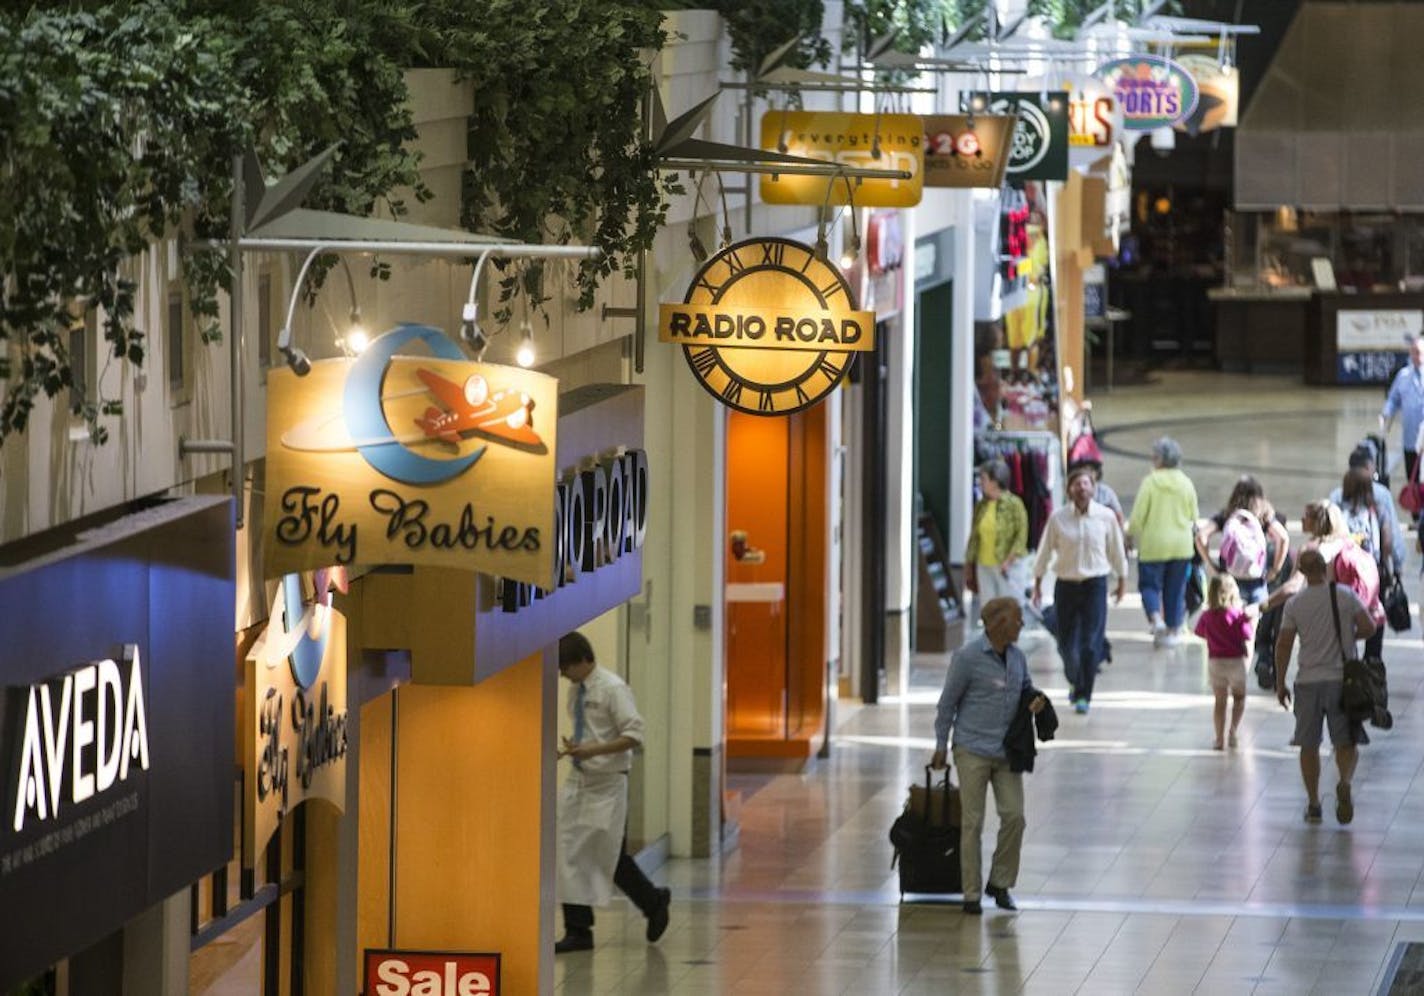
<point x="431" y="973"/>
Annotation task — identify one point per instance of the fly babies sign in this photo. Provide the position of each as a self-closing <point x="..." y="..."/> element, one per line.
<point x="411" y="454"/>
<point x="295" y="732"/>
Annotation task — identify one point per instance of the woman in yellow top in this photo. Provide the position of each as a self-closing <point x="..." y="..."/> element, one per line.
<point x="1163" y="514"/>
<point x="998" y="538"/>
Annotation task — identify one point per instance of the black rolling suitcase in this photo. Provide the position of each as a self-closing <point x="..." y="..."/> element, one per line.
<point x="926" y="839"/>
<point x="1380" y="450"/>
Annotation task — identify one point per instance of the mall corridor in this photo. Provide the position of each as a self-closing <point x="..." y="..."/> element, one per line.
<point x="1151" y="864"/>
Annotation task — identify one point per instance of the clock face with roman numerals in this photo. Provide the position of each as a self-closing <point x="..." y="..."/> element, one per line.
<point x="768" y="272"/>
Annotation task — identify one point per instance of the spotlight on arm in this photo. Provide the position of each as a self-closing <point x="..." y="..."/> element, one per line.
<point x="470" y="331"/>
<point x="297" y="359"/>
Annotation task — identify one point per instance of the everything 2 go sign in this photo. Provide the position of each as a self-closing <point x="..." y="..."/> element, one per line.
<point x="1152" y="92"/>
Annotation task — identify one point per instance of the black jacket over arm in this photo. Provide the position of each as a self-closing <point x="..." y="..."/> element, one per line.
<point x="1019" y="741"/>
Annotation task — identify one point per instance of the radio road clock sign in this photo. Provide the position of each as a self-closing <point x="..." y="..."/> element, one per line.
<point x="768" y="327"/>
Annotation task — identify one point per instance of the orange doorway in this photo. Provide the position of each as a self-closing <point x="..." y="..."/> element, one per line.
<point x="776" y="585"/>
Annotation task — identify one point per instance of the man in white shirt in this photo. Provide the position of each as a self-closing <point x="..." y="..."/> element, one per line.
<point x="1083" y="543"/>
<point x="1312" y="615"/>
<point x="593" y="804"/>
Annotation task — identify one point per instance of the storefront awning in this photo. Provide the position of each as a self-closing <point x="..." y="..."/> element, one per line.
<point x="1337" y="123"/>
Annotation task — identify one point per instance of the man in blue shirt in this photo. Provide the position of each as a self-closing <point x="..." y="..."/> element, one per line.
<point x="1406" y="397"/>
<point x="986" y="679"/>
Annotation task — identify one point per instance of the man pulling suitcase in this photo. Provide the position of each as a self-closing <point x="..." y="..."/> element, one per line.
<point x="982" y="691"/>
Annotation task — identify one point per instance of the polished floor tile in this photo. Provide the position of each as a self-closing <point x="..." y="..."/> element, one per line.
<point x="1151" y="864"/>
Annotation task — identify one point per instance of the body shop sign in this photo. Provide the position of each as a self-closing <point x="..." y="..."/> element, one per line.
<point x="1152" y="92"/>
<point x="411" y="454"/>
<point x="1039" y="150"/>
<point x="431" y="973"/>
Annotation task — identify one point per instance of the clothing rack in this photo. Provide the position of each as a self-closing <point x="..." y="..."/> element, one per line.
<point x="1035" y="459"/>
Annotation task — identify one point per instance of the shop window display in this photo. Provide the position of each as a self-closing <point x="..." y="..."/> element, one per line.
<point x="1015" y="361"/>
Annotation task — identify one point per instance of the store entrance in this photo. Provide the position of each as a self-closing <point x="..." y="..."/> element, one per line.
<point x="776" y="584"/>
<point x="937" y="608"/>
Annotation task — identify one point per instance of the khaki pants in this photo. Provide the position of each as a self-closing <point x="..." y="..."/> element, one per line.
<point x="976" y="774"/>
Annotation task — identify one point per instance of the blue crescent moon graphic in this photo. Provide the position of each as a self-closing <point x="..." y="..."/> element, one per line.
<point x="365" y="418"/>
<point x="307" y="656"/>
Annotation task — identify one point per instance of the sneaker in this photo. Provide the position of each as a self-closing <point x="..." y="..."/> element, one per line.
<point x="1313" y="813"/>
<point x="1170" y="639"/>
<point x="1344" y="804"/>
<point x="1080" y="706"/>
<point x="1232" y="742"/>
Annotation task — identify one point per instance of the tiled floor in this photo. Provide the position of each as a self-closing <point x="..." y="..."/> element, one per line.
<point x="1151" y="864"/>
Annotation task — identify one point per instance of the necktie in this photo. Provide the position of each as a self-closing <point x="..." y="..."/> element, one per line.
<point x="579" y="722"/>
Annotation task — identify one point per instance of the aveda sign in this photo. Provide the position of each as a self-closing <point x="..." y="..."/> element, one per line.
<point x="84" y="735"/>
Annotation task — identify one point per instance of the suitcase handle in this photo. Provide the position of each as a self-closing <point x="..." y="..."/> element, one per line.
<point x="929" y="794"/>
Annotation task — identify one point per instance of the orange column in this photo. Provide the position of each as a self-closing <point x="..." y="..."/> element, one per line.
<point x="473" y="829"/>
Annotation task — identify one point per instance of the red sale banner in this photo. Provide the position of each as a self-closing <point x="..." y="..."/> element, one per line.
<point x="431" y="973"/>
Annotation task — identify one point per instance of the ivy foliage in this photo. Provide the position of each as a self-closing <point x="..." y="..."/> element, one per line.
<point x="119" y="120"/>
<point x="106" y="120"/>
<point x="919" y="23"/>
<point x="1065" y="16"/>
<point x="759" y="27"/>
<point x="556" y="146"/>
<point x="916" y="23"/>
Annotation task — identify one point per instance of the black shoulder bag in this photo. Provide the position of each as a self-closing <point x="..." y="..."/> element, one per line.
<point x="1364" y="694"/>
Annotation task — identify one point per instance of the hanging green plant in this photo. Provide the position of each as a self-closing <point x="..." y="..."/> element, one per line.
<point x="915" y="23"/>
<point x="557" y="151"/>
<point x="118" y="124"/>
<point x="759" y="27"/>
<point x="106" y="122"/>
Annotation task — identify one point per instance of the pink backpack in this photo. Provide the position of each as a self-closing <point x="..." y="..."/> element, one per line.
<point x="1243" y="546"/>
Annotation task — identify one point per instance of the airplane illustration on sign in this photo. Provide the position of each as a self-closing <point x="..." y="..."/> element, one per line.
<point x="472" y="408"/>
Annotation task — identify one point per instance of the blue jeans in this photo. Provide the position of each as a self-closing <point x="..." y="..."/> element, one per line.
<point x="1082" y="610"/>
<point x="1253" y="590"/>
<point x="1163" y="584"/>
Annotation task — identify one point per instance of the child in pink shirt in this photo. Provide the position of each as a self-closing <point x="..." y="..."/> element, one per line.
<point x="1228" y="630"/>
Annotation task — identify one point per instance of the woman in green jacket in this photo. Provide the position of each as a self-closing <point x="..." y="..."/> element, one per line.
<point x="1163" y="514"/>
<point x="998" y="538"/>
